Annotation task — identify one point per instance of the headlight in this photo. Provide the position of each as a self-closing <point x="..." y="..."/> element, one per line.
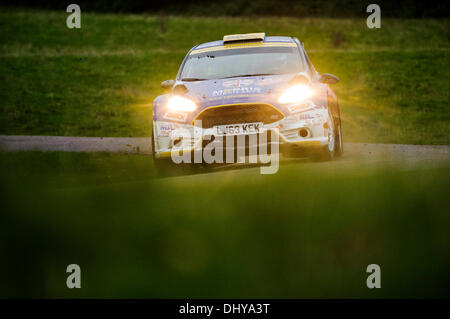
<point x="296" y="93"/>
<point x="178" y="103"/>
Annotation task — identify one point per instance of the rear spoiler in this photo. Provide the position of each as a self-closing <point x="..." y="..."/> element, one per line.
<point x="244" y="37"/>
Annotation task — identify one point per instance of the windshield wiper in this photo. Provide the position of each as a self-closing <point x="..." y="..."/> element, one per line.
<point x="257" y="74"/>
<point x="192" y="79"/>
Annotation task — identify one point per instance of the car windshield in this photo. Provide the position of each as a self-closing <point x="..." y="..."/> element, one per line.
<point x="242" y="62"/>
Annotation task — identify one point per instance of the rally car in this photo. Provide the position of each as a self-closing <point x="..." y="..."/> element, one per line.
<point x="246" y="84"/>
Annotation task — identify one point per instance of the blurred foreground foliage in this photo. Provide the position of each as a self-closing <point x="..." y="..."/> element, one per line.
<point x="308" y="231"/>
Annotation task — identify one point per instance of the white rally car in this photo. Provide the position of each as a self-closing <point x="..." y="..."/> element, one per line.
<point x="245" y="85"/>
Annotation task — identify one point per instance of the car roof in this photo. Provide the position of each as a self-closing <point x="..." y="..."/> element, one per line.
<point x="266" y="39"/>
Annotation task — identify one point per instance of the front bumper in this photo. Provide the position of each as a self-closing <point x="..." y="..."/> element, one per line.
<point x="306" y="129"/>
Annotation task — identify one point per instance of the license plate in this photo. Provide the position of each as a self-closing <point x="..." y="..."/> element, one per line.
<point x="238" y="129"/>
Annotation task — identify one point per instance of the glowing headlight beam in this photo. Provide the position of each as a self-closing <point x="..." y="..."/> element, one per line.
<point x="296" y="93"/>
<point x="178" y="103"/>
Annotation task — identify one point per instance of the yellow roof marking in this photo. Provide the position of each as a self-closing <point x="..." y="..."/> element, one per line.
<point x="244" y="45"/>
<point x="247" y="36"/>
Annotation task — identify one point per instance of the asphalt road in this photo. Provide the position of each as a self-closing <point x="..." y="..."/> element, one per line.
<point x="353" y="151"/>
<point x="75" y="144"/>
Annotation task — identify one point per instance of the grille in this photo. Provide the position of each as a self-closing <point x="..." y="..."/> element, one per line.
<point x="240" y="113"/>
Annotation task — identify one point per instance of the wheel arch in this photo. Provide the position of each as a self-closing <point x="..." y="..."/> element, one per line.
<point x="158" y="102"/>
<point x="333" y="104"/>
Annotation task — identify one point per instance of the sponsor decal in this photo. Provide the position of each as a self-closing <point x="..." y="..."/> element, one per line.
<point x="175" y="116"/>
<point x="306" y="106"/>
<point x="311" y="118"/>
<point x="164" y="129"/>
<point x="306" y="116"/>
<point x="238" y="90"/>
<point x="237" y="83"/>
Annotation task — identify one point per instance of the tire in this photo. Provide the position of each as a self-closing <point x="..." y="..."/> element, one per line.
<point x="335" y="144"/>
<point x="158" y="163"/>
<point x="340" y="143"/>
<point x="164" y="167"/>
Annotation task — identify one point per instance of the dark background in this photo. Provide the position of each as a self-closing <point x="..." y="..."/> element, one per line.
<point x="304" y="8"/>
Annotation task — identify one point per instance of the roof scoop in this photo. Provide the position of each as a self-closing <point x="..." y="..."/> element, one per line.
<point x="232" y="38"/>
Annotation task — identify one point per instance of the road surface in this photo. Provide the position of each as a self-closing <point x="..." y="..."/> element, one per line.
<point x="360" y="151"/>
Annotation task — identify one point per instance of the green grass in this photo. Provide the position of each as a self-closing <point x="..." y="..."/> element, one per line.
<point x="101" y="80"/>
<point x="308" y="231"/>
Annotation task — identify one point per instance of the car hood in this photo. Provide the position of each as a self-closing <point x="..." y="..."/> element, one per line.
<point x="236" y="90"/>
<point x="256" y="89"/>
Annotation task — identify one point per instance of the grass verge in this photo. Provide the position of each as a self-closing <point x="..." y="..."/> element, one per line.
<point x="101" y="80"/>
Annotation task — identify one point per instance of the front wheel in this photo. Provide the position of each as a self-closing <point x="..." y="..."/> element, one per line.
<point x="159" y="164"/>
<point x="165" y="167"/>
<point x="335" y="145"/>
<point x="339" y="142"/>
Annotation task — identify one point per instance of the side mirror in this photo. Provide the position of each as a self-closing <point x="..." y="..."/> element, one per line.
<point x="167" y="84"/>
<point x="328" y="78"/>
